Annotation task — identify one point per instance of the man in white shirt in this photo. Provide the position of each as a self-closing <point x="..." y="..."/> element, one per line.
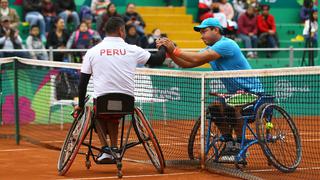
<point x="112" y="64"/>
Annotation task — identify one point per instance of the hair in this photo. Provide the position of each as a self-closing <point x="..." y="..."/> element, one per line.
<point x="113" y="24"/>
<point x="82" y="22"/>
<point x="108" y="7"/>
<point x="220" y="30"/>
<point x="130" y="4"/>
<point x="263" y="6"/>
<point x="308" y="3"/>
<point x="311" y="14"/>
<point x="154" y="30"/>
<point x="55" y="21"/>
<point x="34" y="26"/>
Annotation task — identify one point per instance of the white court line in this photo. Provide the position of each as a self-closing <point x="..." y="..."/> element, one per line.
<point x="12" y="150"/>
<point x="270" y="170"/>
<point x="134" y="176"/>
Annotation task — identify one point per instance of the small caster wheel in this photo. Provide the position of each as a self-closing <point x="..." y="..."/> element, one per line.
<point x="119" y="174"/>
<point x="88" y="164"/>
<point x="119" y="165"/>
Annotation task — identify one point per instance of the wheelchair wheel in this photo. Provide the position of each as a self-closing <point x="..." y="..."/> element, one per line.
<point x="148" y="138"/>
<point x="193" y="147"/>
<point x="73" y="141"/>
<point x="215" y="146"/>
<point x="278" y="137"/>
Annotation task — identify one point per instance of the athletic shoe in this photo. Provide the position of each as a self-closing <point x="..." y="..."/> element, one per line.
<point x="230" y="152"/>
<point x="104" y="158"/>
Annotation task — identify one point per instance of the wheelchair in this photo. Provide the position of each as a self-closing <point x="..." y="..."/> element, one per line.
<point x="84" y="125"/>
<point x="276" y="133"/>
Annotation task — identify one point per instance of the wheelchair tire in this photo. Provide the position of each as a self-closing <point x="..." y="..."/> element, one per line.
<point x="73" y="141"/>
<point x="191" y="143"/>
<point x="272" y="136"/>
<point x="146" y="134"/>
<point x="194" y="151"/>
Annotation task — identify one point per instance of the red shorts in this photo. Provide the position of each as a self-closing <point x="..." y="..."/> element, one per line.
<point x="115" y="118"/>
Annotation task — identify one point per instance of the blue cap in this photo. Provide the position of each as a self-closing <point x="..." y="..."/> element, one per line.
<point x="209" y="22"/>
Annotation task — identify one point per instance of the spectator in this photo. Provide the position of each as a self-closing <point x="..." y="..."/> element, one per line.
<point x="12" y="13"/>
<point x="10" y="39"/>
<point x="204" y="9"/>
<point x="240" y="7"/>
<point x="34" y="42"/>
<point x="222" y="18"/>
<point x="306" y="10"/>
<point x="98" y="7"/>
<point x="82" y="38"/>
<point x="85" y="11"/>
<point x="310" y="31"/>
<point x="248" y="30"/>
<point x="103" y="19"/>
<point x="49" y="13"/>
<point x="32" y="9"/>
<point x="156" y="34"/>
<point x="267" y="29"/>
<point x="227" y="9"/>
<point x="57" y="39"/>
<point x="132" y="36"/>
<point x="96" y="36"/>
<point x="67" y="9"/>
<point x="131" y="17"/>
<point x="255" y="4"/>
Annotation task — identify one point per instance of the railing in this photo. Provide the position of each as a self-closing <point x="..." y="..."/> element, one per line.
<point x="291" y="51"/>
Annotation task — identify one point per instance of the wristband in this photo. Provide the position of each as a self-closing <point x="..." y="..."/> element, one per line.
<point x="176" y="52"/>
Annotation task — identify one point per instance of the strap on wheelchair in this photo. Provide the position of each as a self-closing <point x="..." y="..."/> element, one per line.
<point x="115" y="103"/>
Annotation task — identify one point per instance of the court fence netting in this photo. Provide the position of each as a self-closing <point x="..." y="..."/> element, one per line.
<point x="37" y="98"/>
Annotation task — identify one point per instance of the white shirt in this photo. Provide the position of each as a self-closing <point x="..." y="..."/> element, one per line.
<point x="112" y="64"/>
<point x="222" y="18"/>
<point x="314" y="27"/>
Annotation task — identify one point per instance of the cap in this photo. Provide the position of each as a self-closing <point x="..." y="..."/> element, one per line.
<point x="5" y="18"/>
<point x="209" y="22"/>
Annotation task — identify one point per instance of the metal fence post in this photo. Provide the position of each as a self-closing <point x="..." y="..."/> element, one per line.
<point x="291" y="56"/>
<point x="16" y="101"/>
<point x="50" y="53"/>
<point x="1" y="94"/>
<point x="202" y="124"/>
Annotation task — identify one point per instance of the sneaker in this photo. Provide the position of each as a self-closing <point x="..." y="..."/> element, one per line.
<point x="104" y="158"/>
<point x="230" y="152"/>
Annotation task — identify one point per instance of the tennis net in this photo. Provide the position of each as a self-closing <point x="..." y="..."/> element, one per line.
<point x="172" y="101"/>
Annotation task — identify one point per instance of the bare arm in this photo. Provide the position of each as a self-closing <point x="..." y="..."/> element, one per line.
<point x="188" y="59"/>
<point x="198" y="58"/>
<point x="183" y="63"/>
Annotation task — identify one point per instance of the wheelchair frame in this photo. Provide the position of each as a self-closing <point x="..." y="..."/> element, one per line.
<point x="259" y="108"/>
<point x="141" y="127"/>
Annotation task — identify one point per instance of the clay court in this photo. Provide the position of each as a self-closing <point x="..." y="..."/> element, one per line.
<point x="27" y="161"/>
<point x="30" y="161"/>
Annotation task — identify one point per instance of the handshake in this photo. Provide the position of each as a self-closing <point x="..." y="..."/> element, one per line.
<point x="170" y="47"/>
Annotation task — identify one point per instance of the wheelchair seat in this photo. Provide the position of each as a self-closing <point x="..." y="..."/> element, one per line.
<point x="252" y="108"/>
<point x="115" y="104"/>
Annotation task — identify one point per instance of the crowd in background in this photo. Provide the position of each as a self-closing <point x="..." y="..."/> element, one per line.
<point x="59" y="26"/>
<point x="253" y="23"/>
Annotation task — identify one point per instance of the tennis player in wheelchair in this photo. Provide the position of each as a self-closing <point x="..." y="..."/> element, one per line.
<point x="112" y="64"/>
<point x="222" y="54"/>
